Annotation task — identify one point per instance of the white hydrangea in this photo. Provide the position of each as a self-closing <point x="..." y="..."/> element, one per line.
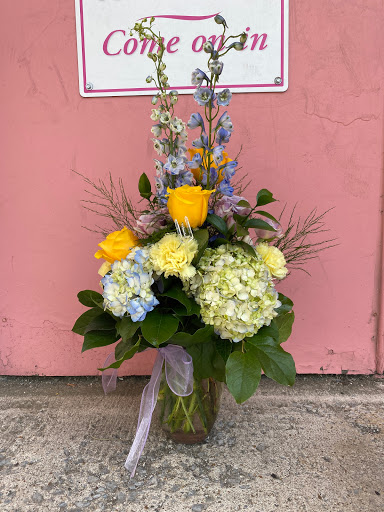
<point x="235" y="292"/>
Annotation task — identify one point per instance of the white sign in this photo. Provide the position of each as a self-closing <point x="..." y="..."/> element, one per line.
<point x="114" y="63"/>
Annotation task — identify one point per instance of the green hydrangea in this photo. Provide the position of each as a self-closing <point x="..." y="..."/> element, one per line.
<point x="235" y="291"/>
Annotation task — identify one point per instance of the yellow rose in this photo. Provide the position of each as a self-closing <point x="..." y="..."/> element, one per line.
<point x="191" y="202"/>
<point x="172" y="256"/>
<point x="117" y="245"/>
<point x="273" y="259"/>
<point x="198" y="172"/>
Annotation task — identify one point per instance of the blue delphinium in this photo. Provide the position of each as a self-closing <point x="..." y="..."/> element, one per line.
<point x="222" y="136"/>
<point x="225" y="188"/>
<point x="198" y="77"/>
<point x="195" y="121"/>
<point x="224" y="97"/>
<point x="217" y="154"/>
<point x="201" y="142"/>
<point x="203" y="96"/>
<point x="225" y="122"/>
<point x="175" y="164"/>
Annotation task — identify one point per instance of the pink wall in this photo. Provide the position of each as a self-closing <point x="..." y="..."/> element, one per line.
<point x="319" y="144"/>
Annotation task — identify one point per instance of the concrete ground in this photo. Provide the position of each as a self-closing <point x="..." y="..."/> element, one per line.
<point x="316" y="447"/>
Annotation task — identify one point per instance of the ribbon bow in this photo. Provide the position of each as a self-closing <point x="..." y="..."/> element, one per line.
<point x="179" y="375"/>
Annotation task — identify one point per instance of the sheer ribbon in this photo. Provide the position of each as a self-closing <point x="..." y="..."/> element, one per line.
<point x="179" y="375"/>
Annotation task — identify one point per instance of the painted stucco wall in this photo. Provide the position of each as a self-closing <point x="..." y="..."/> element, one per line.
<point x="319" y="144"/>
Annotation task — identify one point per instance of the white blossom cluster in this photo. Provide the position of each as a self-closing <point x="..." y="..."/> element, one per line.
<point x="235" y="292"/>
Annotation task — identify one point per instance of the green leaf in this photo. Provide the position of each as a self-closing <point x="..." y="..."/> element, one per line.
<point x="243" y="373"/>
<point x="247" y="248"/>
<point x="85" y="319"/>
<point x="207" y="362"/>
<point x="224" y="348"/>
<point x="241" y="231"/>
<point x="145" y="186"/>
<point x="259" y="224"/>
<point x="275" y="362"/>
<point x="94" y="339"/>
<point x="184" y="339"/>
<point x="103" y="322"/>
<point x="178" y="294"/>
<point x="286" y="304"/>
<point x="244" y="203"/>
<point x="127" y="355"/>
<point x="264" y="196"/>
<point x="266" y="332"/>
<point x="202" y="237"/>
<point x="240" y="219"/>
<point x="158" y="327"/>
<point x="284" y="324"/>
<point x="266" y="214"/>
<point x="126" y="328"/>
<point x="219" y="241"/>
<point x="218" y="223"/>
<point x="89" y="298"/>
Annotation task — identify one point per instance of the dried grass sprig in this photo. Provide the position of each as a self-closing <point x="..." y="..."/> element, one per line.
<point x="294" y="242"/>
<point x="109" y="201"/>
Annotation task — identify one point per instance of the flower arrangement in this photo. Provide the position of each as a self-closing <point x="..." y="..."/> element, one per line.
<point x="194" y="274"/>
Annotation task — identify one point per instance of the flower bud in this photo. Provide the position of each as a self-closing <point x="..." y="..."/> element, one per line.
<point x="145" y="20"/>
<point x="216" y="67"/>
<point x="220" y="20"/>
<point x="162" y="66"/>
<point x="148" y="79"/>
<point x="208" y="47"/>
<point x="243" y="37"/>
<point x="163" y="79"/>
<point x="155" y="99"/>
<point x="237" y="46"/>
<point x="152" y="19"/>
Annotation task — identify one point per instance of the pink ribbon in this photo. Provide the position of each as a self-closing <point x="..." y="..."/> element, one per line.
<point x="179" y="375"/>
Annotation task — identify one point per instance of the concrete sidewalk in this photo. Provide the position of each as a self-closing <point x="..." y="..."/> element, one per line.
<point x="316" y="447"/>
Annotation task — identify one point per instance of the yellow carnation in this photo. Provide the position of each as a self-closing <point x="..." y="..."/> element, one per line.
<point x="173" y="255"/>
<point x="273" y="259"/>
<point x="117" y="245"/>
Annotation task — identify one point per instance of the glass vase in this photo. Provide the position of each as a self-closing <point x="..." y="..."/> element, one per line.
<point x="189" y="419"/>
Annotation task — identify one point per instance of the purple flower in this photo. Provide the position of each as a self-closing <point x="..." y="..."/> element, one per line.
<point x="195" y="121"/>
<point x="222" y="136"/>
<point x="203" y="95"/>
<point x="224" y="97"/>
<point x="198" y="76"/>
<point x="227" y="206"/>
<point x="148" y="224"/>
<point x="267" y="235"/>
<point x="175" y="164"/>
<point x="225" y="122"/>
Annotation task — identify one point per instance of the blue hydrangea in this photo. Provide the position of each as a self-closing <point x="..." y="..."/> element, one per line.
<point x="127" y="288"/>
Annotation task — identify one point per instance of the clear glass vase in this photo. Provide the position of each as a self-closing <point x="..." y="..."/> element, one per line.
<point x="189" y="419"/>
